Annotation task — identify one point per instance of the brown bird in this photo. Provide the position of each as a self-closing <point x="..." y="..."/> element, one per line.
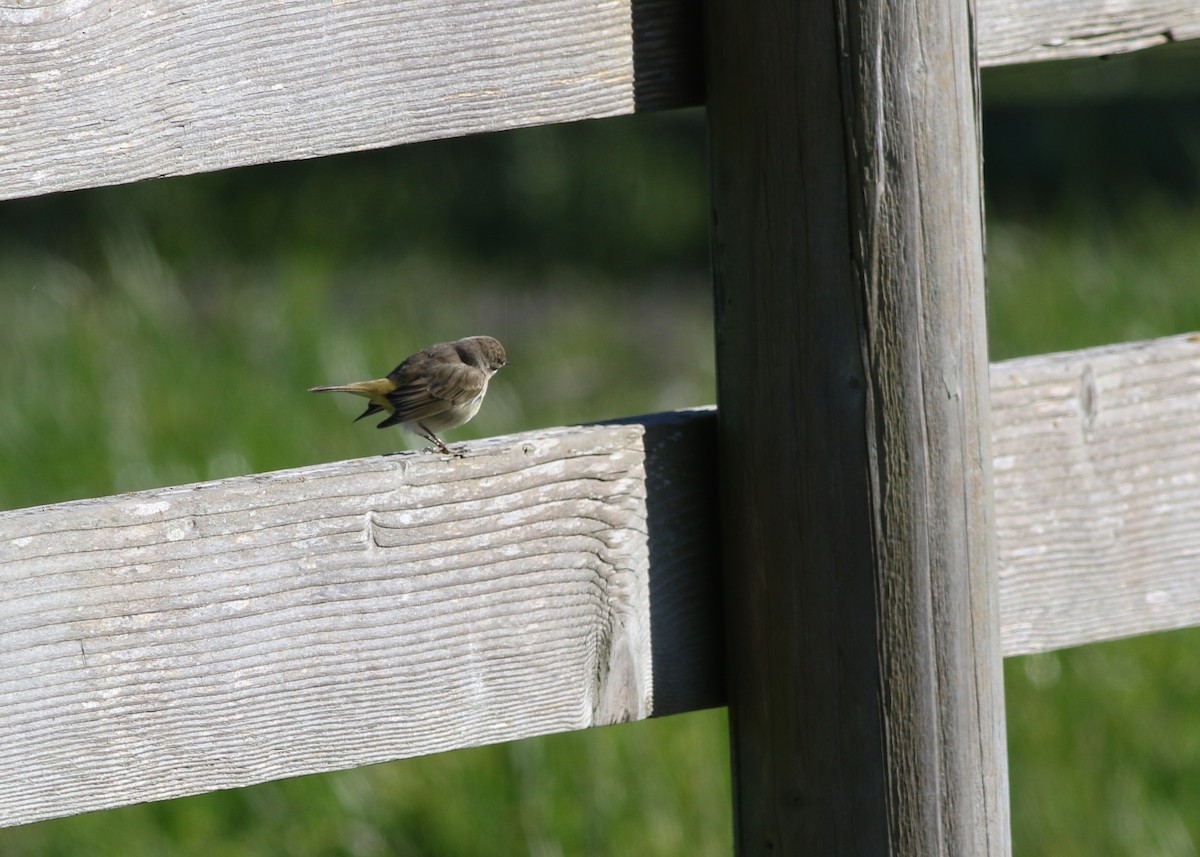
<point x="438" y="388"/>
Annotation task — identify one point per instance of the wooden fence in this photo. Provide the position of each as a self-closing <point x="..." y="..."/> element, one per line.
<point x="888" y="530"/>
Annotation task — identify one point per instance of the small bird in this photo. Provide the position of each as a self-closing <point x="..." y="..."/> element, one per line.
<point x="438" y="388"/>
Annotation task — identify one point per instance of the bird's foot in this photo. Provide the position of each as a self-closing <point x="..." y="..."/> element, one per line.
<point x="442" y="448"/>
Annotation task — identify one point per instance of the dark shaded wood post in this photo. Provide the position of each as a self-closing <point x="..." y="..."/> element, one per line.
<point x="864" y="662"/>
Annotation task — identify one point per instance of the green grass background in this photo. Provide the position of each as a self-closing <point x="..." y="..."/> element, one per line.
<point x="166" y="332"/>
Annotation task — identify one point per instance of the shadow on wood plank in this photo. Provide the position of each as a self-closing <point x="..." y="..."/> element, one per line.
<point x="688" y="653"/>
<point x="668" y="69"/>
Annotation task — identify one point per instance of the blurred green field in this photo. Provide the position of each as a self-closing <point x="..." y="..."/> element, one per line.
<point x="167" y="332"/>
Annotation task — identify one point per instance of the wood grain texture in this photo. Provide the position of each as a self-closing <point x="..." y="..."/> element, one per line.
<point x="866" y="701"/>
<point x="208" y="636"/>
<point x="1021" y="31"/>
<point x="205" y="635"/>
<point x="1097" y="470"/>
<point x="95" y="93"/>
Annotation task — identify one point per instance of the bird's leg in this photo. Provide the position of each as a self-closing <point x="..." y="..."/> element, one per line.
<point x="435" y="440"/>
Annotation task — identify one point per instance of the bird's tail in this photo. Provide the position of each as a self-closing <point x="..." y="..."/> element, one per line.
<point x="376" y="391"/>
<point x="370" y="389"/>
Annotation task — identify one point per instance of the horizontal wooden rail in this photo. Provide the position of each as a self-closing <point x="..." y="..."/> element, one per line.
<point x="1022" y="31"/>
<point x="175" y="641"/>
<point x="96" y="93"/>
<point x="1096" y="462"/>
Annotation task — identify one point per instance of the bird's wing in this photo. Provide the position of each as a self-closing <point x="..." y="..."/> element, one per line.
<point x="439" y="390"/>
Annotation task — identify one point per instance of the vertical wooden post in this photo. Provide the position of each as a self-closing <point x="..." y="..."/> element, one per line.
<point x="864" y="662"/>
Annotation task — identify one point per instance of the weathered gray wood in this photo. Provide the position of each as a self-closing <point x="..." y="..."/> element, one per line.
<point x="206" y="636"/>
<point x="1097" y="473"/>
<point x="866" y="702"/>
<point x="95" y="93"/>
<point x="125" y="650"/>
<point x="1020" y="31"/>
